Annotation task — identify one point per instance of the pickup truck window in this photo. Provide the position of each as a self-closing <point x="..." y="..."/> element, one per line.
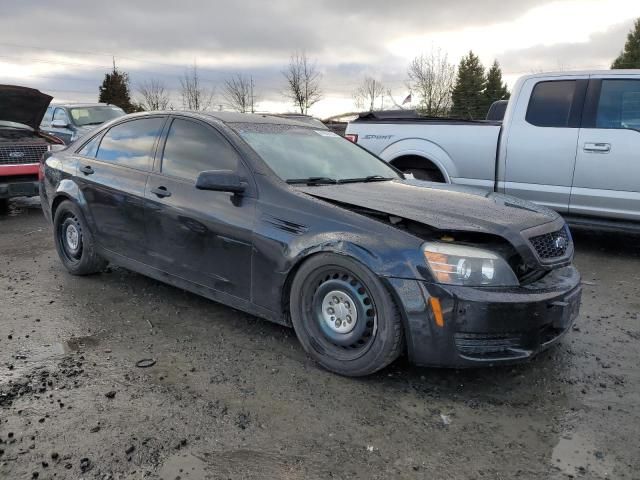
<point x="550" y="103"/>
<point x="619" y="104"/>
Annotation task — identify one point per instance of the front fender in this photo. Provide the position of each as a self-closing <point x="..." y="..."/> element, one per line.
<point x="425" y="149"/>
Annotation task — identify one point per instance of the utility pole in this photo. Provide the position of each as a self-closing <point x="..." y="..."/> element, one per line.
<point x="252" y="106"/>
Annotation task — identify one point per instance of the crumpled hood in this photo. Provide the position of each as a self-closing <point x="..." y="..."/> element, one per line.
<point x="23" y="105"/>
<point x="445" y="207"/>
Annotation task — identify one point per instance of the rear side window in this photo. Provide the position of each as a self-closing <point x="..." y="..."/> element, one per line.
<point x="131" y="143"/>
<point x="619" y="104"/>
<point x="193" y="147"/>
<point x="550" y="103"/>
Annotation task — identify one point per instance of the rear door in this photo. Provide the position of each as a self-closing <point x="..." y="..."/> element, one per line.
<point x="607" y="173"/>
<point x="112" y="173"/>
<point x="542" y="140"/>
<point x="201" y="236"/>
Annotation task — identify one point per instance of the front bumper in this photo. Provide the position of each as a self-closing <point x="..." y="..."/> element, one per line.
<point x="487" y="326"/>
<point x="18" y="180"/>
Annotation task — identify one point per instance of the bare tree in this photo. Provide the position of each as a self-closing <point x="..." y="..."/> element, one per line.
<point x="194" y="95"/>
<point x="303" y="82"/>
<point x="239" y="94"/>
<point x="432" y="78"/>
<point x="367" y="94"/>
<point x="154" y="95"/>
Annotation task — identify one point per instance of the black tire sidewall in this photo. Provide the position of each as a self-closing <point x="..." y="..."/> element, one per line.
<point x="89" y="261"/>
<point x="386" y="345"/>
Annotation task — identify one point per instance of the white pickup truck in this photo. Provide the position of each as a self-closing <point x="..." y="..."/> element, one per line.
<point x="568" y="140"/>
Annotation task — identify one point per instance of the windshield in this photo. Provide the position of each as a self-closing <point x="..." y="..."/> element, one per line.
<point x="297" y="153"/>
<point x="94" y="115"/>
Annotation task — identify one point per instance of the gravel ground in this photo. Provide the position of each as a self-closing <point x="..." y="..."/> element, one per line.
<point x="231" y="396"/>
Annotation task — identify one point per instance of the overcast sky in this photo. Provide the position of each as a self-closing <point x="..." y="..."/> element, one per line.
<point x="64" y="47"/>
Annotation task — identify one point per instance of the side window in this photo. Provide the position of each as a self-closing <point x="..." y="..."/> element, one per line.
<point x="192" y="148"/>
<point x="46" y="121"/>
<point x="90" y="148"/>
<point x="131" y="143"/>
<point x="619" y="104"/>
<point x="60" y="114"/>
<point x="550" y="103"/>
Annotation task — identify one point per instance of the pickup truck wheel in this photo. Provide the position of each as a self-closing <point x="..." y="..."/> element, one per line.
<point x="74" y="241"/>
<point x="4" y="206"/>
<point x="427" y="175"/>
<point x="344" y="316"/>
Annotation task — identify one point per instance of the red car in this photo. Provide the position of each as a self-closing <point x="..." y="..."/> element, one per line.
<point x="22" y="144"/>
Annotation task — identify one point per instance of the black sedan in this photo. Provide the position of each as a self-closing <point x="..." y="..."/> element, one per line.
<point x="299" y="226"/>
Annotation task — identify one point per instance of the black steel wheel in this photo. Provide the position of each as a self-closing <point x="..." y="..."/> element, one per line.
<point x="74" y="242"/>
<point x="344" y="316"/>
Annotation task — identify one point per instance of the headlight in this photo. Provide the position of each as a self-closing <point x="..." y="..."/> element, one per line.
<point x="461" y="265"/>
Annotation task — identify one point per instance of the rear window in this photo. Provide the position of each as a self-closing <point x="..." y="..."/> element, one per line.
<point x="550" y="103"/>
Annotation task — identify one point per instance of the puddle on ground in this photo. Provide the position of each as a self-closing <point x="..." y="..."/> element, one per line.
<point x="183" y="466"/>
<point x="576" y="454"/>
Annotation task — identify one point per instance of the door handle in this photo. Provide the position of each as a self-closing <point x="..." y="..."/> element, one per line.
<point x="597" y="147"/>
<point x="87" y="170"/>
<point x="161" y="192"/>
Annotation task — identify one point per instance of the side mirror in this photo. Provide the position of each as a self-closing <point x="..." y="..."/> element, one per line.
<point x="59" y="124"/>
<point x="221" y="181"/>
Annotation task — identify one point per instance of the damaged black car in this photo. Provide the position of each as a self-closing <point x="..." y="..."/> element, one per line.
<point x="299" y="226"/>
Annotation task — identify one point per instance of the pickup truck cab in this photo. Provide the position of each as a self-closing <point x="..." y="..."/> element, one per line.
<point x="569" y="141"/>
<point x="71" y="121"/>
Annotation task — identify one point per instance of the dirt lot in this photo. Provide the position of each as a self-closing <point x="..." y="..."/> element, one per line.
<point x="234" y="397"/>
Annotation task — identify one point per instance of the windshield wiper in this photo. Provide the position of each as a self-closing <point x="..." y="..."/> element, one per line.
<point x="92" y="123"/>
<point x="370" y="178"/>
<point x="313" y="181"/>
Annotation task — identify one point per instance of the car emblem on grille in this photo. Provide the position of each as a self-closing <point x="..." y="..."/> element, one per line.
<point x="16" y="155"/>
<point x="560" y="243"/>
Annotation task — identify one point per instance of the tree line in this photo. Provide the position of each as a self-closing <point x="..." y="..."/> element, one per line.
<point x="440" y="88"/>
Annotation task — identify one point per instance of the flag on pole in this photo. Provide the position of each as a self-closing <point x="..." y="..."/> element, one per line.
<point x="407" y="100"/>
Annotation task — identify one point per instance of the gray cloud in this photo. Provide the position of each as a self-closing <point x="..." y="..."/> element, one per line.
<point x="158" y="38"/>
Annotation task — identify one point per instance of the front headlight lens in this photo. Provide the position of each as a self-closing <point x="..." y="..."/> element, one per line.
<point x="461" y="265"/>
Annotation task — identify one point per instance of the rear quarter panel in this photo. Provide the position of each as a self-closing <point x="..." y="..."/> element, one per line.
<point x="464" y="153"/>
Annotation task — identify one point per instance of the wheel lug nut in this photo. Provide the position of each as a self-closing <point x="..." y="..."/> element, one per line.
<point x="330" y="310"/>
<point x="346" y="304"/>
<point x="348" y="318"/>
<point x="338" y="323"/>
<point x="333" y="318"/>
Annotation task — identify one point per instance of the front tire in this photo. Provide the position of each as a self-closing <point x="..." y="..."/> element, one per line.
<point x="344" y="316"/>
<point x="74" y="241"/>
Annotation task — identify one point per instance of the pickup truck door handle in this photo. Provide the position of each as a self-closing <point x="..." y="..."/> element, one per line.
<point x="161" y="192"/>
<point x="597" y="147"/>
<point x="87" y="170"/>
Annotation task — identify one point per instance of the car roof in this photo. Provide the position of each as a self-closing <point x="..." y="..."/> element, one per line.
<point x="227" y="117"/>
<point x="82" y="105"/>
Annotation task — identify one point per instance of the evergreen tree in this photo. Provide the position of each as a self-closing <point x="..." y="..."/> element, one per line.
<point x="630" y="57"/>
<point x="495" y="88"/>
<point x="115" y="90"/>
<point x="468" y="91"/>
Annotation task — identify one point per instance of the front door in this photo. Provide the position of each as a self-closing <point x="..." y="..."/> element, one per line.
<point x="112" y="174"/>
<point x="201" y="236"/>
<point x="607" y="175"/>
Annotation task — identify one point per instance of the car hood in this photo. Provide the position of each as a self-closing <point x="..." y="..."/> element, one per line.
<point x="444" y="207"/>
<point x="23" y="105"/>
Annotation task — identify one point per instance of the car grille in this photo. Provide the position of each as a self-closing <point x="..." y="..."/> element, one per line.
<point x="553" y="244"/>
<point x="19" y="153"/>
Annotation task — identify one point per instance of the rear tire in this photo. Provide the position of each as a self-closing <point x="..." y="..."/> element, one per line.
<point x="74" y="241"/>
<point x="344" y="316"/>
<point x="4" y="206"/>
